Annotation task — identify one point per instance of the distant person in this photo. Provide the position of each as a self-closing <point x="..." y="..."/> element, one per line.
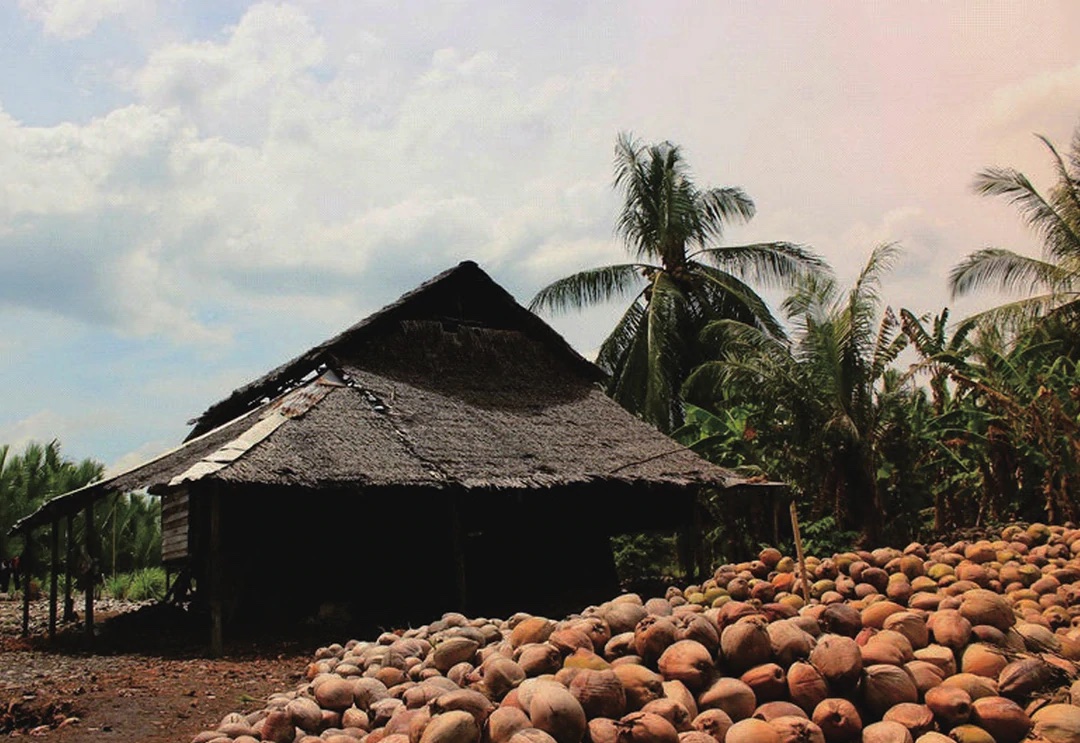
<point x="16" y="563"/>
<point x="5" y="575"/>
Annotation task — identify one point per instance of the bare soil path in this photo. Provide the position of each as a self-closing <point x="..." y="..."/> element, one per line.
<point x="116" y="695"/>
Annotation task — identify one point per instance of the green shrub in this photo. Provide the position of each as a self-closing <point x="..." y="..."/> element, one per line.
<point x="147" y="584"/>
<point x="116" y="586"/>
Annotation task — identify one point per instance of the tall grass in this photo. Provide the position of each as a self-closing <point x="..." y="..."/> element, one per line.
<point x="141" y="585"/>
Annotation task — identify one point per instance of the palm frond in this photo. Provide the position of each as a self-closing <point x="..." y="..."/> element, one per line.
<point x="618" y="342"/>
<point x="771" y="264"/>
<point x="729" y="296"/>
<point x="589" y="287"/>
<point x="718" y="207"/>
<point x="1059" y="236"/>
<point x="666" y="318"/>
<point x="889" y="344"/>
<point x="1008" y="271"/>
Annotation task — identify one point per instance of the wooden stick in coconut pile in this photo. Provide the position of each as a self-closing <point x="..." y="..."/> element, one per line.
<point x="799" y="553"/>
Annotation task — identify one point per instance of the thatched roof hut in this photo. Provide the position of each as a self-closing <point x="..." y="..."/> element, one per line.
<point x="450" y="449"/>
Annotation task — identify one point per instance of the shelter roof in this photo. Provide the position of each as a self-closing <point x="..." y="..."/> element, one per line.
<point x="454" y="386"/>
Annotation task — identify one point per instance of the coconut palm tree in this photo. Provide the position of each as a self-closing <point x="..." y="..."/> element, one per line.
<point x="824" y="395"/>
<point x="1053" y="282"/>
<point x="680" y="280"/>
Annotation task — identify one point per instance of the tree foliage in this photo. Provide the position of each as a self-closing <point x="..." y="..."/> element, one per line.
<point x="681" y="278"/>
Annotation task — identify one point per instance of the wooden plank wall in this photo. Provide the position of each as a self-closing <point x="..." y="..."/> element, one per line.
<point x="174" y="526"/>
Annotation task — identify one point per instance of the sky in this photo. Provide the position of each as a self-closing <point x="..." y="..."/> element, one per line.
<point x="194" y="191"/>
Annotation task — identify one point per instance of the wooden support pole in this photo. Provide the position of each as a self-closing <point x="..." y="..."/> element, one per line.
<point x="25" y="563"/>
<point x="54" y="577"/>
<point x="217" y="639"/>
<point x="69" y="563"/>
<point x="799" y="553"/>
<point x="458" y="538"/>
<point x="91" y="571"/>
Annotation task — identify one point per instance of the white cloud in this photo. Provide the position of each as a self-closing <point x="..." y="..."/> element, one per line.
<point x="42" y="426"/>
<point x="71" y="19"/>
<point x="245" y="168"/>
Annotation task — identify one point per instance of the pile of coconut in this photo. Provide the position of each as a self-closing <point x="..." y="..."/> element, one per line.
<point x="975" y="641"/>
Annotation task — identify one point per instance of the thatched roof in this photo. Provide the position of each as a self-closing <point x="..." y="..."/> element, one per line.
<point x="454" y="386"/>
<point x="463" y="295"/>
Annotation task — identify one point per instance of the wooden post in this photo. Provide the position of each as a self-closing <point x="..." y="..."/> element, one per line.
<point x="799" y="553"/>
<point x="91" y="577"/>
<point x="217" y="640"/>
<point x="69" y="562"/>
<point x="54" y="578"/>
<point x="25" y="563"/>
<point x="459" y="553"/>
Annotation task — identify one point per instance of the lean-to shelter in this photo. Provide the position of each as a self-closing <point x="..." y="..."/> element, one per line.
<point x="449" y="451"/>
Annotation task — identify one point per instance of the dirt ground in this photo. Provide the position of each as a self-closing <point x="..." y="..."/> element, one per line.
<point x="123" y="693"/>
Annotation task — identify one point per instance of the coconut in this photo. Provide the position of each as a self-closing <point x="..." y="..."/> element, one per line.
<point x="731" y="695"/>
<point x="652" y="636"/>
<point x="981" y="606"/>
<point x="910" y="625"/>
<point x="917" y="718"/>
<point x="884" y="686"/>
<point x="1037" y="638"/>
<point x="977" y="687"/>
<point x="646" y="727"/>
<point x="695" y="736"/>
<point x="841" y="619"/>
<point x="838" y="659"/>
<point x="467" y="700"/>
<point x="950" y="628"/>
<point x="1057" y="723"/>
<point x="623" y="616"/>
<point x="504" y="722"/>
<point x="925" y="675"/>
<point x="768" y="681"/>
<point x="675" y="713"/>
<point x="600" y="693"/>
<point x="453" y="650"/>
<point x="688" y="661"/>
<point x="887" y="647"/>
<point x="456" y="726"/>
<point x="789" y="641"/>
<point x="1002" y="718"/>
<point x="536" y="659"/>
<point x="677" y="690"/>
<point x="528" y="735"/>
<point x="772" y="710"/>
<point x="838" y="719"/>
<point x="554" y="710"/>
<point x="982" y="660"/>
<point x="752" y="731"/>
<point x="745" y="644"/>
<point x="806" y="686"/>
<point x="797" y="729"/>
<point x="700" y="628"/>
<point x="715" y="722"/>
<point x="497" y="675"/>
<point x="1023" y="677"/>
<point x="951" y="705"/>
<point x="640" y="685"/>
<point x="886" y="732"/>
<point x="875" y="614"/>
<point x="277" y="727"/>
<point x="335" y="694"/>
<point x="970" y="734"/>
<point x="305" y="714"/>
